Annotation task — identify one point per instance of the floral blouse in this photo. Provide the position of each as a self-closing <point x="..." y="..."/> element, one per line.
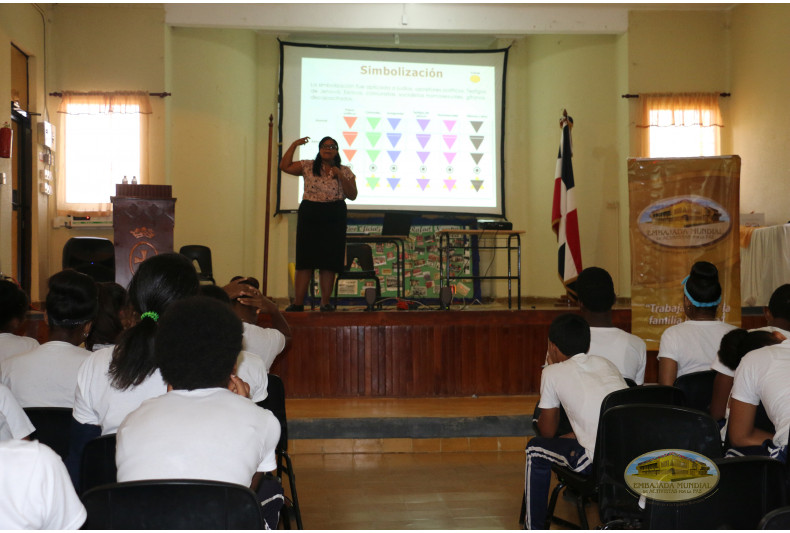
<point x="322" y="188"/>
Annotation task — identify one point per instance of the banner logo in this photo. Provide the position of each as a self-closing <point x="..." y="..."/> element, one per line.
<point x="672" y="475"/>
<point x="684" y="221"/>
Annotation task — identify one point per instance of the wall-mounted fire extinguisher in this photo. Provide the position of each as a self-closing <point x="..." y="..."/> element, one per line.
<point x="6" y="135"/>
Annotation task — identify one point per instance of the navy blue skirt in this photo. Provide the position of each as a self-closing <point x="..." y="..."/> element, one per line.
<point x="321" y="236"/>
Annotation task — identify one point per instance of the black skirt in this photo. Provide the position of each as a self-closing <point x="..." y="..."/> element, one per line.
<point x="321" y="236"/>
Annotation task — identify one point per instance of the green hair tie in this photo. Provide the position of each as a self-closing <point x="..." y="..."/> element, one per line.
<point x="150" y="314"/>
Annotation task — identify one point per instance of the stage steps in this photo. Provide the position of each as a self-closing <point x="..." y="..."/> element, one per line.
<point x="409" y="425"/>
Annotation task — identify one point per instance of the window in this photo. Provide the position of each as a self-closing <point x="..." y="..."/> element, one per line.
<point x="105" y="139"/>
<point x="680" y="125"/>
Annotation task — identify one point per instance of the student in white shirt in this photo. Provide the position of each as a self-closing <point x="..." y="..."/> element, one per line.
<point x="14" y="423"/>
<point x="13" y="309"/>
<point x="691" y="346"/>
<point x="47" y="376"/>
<point x="205" y="427"/>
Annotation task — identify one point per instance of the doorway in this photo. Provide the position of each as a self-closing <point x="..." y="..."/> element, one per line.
<point x="21" y="171"/>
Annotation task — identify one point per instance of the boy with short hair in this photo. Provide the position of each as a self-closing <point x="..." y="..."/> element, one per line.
<point x="578" y="382"/>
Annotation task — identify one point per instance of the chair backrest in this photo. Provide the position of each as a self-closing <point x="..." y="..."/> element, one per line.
<point x="275" y="402"/>
<point x="53" y="427"/>
<point x="363" y="253"/>
<point x="98" y="463"/>
<point x="652" y="394"/>
<point x="201" y="255"/>
<point x="172" y="504"/>
<point x="748" y="488"/>
<point x="628" y="431"/>
<point x="698" y="388"/>
<point x="776" y="519"/>
<point x="94" y="256"/>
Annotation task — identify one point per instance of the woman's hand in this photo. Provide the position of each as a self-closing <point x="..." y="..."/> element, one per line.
<point x="238" y="386"/>
<point x="300" y="142"/>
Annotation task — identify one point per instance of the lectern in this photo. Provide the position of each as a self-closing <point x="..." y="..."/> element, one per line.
<point x="143" y="217"/>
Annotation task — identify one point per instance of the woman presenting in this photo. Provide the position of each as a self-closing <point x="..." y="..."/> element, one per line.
<point x="321" y="225"/>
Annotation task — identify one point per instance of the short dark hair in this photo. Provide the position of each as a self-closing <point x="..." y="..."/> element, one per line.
<point x="72" y="300"/>
<point x="779" y="304"/>
<point x="197" y="343"/>
<point x="570" y="333"/>
<point x="737" y="343"/>
<point x="252" y="282"/>
<point x="13" y="303"/>
<point x="595" y="289"/>
<point x="703" y="282"/>
<point x="212" y="291"/>
<point x="107" y="325"/>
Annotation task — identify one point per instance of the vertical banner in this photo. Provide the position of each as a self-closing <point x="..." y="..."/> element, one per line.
<point x="682" y="210"/>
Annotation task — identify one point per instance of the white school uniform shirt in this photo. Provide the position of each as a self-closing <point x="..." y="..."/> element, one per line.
<point x="693" y="344"/>
<point x="14" y="423"/>
<point x="35" y="489"/>
<point x="580" y="384"/>
<point x="253" y="371"/>
<point x="628" y="352"/>
<point x="266" y="343"/>
<point x="200" y="434"/>
<point x="11" y="345"/>
<point x="763" y="375"/>
<point x="45" y="377"/>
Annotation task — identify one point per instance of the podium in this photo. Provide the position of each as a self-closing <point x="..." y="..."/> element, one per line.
<point x="143" y="218"/>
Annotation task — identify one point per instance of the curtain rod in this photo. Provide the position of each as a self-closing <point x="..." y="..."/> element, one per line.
<point x="723" y="95"/>
<point x="160" y="95"/>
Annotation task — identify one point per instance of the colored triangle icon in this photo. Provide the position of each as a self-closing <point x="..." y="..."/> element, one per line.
<point x="423" y="156"/>
<point x="350" y="137"/>
<point x="393" y="154"/>
<point x="476" y="124"/>
<point x="373" y="182"/>
<point x="423" y="139"/>
<point x="394" y="123"/>
<point x="349" y="154"/>
<point x="477" y="184"/>
<point x="477" y="157"/>
<point x="449" y="124"/>
<point x="373" y="137"/>
<point x="449" y="183"/>
<point x="393" y="138"/>
<point x="393" y="182"/>
<point x="350" y="121"/>
<point x="449" y="156"/>
<point x="373" y="154"/>
<point x="423" y="123"/>
<point x="422" y="182"/>
<point x="374" y="121"/>
<point x="477" y="140"/>
<point x="449" y="140"/>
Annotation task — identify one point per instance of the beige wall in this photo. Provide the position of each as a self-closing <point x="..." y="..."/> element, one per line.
<point x="760" y="107"/>
<point x="210" y="139"/>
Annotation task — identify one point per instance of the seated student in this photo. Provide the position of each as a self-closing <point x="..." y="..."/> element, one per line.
<point x="249" y="367"/>
<point x="35" y="491"/>
<point x="578" y="382"/>
<point x="762" y="376"/>
<point x="734" y="345"/>
<point x="13" y="307"/>
<point x="47" y="376"/>
<point x="14" y="423"/>
<point x="205" y="427"/>
<point x="777" y="314"/>
<point x="691" y="346"/>
<point x="107" y="325"/>
<point x="248" y="302"/>
<point x="628" y="352"/>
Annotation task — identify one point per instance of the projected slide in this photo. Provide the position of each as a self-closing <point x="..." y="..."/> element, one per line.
<point x="418" y="135"/>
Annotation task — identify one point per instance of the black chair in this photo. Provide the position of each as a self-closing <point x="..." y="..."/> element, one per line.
<point x="93" y="256"/>
<point x="776" y="519"/>
<point x="98" y="463"/>
<point x="584" y="487"/>
<point x="698" y="388"/>
<point x="628" y="431"/>
<point x="53" y="427"/>
<point x="748" y="489"/>
<point x="275" y="402"/>
<point x="363" y="254"/>
<point x="172" y="504"/>
<point x="202" y="256"/>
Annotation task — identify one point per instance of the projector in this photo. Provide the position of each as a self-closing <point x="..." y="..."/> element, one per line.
<point x="495" y="224"/>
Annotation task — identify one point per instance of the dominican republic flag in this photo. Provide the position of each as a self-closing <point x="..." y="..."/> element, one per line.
<point x="564" y="220"/>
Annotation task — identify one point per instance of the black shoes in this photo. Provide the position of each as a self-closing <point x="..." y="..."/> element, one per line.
<point x="293" y="308"/>
<point x="327" y="307"/>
